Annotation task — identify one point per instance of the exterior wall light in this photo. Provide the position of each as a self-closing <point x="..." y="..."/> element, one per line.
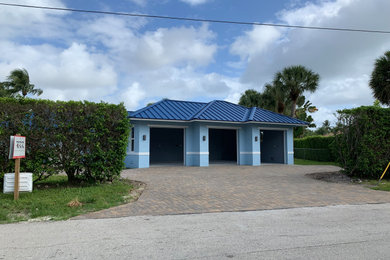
<point x="256" y="138"/>
<point x="204" y="138"/>
<point x="144" y="137"/>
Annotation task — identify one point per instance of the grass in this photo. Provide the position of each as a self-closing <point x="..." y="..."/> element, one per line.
<point x="308" y="162"/>
<point x="373" y="184"/>
<point x="49" y="199"/>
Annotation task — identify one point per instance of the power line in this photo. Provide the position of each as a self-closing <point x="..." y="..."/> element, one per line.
<point x="195" y="19"/>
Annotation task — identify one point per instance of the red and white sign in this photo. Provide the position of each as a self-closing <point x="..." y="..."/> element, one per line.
<point x="17" y="147"/>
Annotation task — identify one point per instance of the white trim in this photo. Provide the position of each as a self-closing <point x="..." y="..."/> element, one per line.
<point x="168" y="126"/>
<point x="135" y="153"/>
<point x="272" y="128"/>
<point x="290" y="152"/>
<point x="223" y="127"/>
<point x="213" y="121"/>
<point x="238" y="146"/>
<point x="197" y="153"/>
<point x="256" y="153"/>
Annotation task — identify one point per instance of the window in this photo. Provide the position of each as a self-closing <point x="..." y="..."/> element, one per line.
<point x="132" y="140"/>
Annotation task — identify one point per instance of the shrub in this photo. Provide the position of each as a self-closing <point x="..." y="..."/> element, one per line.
<point x="363" y="145"/>
<point x="85" y="140"/>
<point x="316" y="148"/>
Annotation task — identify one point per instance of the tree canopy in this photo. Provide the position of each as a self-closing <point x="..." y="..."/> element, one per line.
<point x="18" y="82"/>
<point x="380" y="79"/>
<point x="294" y="81"/>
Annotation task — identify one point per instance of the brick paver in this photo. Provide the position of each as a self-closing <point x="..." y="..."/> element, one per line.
<point x="180" y="190"/>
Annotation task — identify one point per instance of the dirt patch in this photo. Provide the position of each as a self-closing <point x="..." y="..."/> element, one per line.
<point x="336" y="177"/>
<point x="138" y="188"/>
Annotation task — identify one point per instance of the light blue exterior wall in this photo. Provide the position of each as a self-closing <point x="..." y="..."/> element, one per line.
<point x="249" y="145"/>
<point x="196" y="145"/>
<point x="290" y="146"/>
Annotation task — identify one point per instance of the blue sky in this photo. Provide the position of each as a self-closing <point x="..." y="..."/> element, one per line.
<point x="74" y="56"/>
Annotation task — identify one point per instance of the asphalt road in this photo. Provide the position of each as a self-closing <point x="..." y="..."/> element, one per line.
<point x="334" y="232"/>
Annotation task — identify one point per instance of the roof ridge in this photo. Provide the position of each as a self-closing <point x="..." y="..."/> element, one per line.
<point x="276" y="113"/>
<point x="252" y="113"/>
<point x="175" y="100"/>
<point x="147" y="107"/>
<point x="203" y="109"/>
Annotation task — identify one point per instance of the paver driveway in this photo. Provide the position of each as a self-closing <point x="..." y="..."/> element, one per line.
<point x="176" y="190"/>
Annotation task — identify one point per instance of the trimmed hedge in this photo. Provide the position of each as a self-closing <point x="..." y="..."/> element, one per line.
<point x="85" y="140"/>
<point x="316" y="148"/>
<point x="363" y="145"/>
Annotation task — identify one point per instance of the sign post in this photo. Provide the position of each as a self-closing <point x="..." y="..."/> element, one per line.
<point x="17" y="151"/>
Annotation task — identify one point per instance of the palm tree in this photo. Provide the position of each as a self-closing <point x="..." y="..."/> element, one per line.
<point x="295" y="80"/>
<point x="272" y="98"/>
<point x="276" y="98"/>
<point x="5" y="90"/>
<point x="19" y="81"/>
<point x="380" y="79"/>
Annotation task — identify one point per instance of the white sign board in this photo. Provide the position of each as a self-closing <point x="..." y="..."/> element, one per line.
<point x="25" y="182"/>
<point x="17" y="147"/>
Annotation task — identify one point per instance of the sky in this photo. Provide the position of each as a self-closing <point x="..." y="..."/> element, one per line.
<point x="95" y="57"/>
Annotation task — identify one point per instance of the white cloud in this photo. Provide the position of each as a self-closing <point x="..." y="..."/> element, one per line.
<point x="174" y="46"/>
<point x="344" y="60"/>
<point x="133" y="95"/>
<point x="255" y="42"/>
<point x="64" y="74"/>
<point x="195" y="2"/>
<point x="27" y="23"/>
<point x="185" y="83"/>
<point x="139" y="2"/>
<point x="312" y="14"/>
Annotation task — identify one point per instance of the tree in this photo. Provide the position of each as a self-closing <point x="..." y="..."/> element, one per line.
<point x="295" y="80"/>
<point x="380" y="79"/>
<point x="272" y="98"/>
<point x="19" y="82"/>
<point x="324" y="129"/>
<point x="276" y="98"/>
<point x="3" y="90"/>
<point x="251" y="98"/>
<point x="304" y="107"/>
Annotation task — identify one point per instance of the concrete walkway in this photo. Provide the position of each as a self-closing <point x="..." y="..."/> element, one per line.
<point x="182" y="190"/>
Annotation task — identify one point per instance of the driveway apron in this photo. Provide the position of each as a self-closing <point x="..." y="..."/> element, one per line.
<point x="188" y="190"/>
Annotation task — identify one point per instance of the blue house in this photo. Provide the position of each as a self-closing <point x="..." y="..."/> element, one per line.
<point x="172" y="132"/>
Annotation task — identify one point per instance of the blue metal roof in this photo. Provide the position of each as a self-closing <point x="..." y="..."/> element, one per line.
<point x="216" y="110"/>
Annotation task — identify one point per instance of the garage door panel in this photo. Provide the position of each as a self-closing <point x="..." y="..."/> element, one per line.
<point x="166" y="145"/>
<point x="272" y="146"/>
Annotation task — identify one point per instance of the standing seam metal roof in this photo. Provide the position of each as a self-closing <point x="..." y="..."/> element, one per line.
<point x="216" y="110"/>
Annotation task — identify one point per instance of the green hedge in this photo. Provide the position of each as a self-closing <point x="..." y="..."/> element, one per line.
<point x="85" y="140"/>
<point x="363" y="145"/>
<point x="316" y="148"/>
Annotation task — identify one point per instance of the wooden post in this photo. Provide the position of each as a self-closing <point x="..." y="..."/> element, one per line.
<point x="16" y="182"/>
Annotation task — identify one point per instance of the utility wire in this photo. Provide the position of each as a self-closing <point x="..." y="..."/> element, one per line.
<point x="195" y="19"/>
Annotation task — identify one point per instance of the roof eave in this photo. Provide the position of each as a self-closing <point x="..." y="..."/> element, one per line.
<point x="214" y="121"/>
